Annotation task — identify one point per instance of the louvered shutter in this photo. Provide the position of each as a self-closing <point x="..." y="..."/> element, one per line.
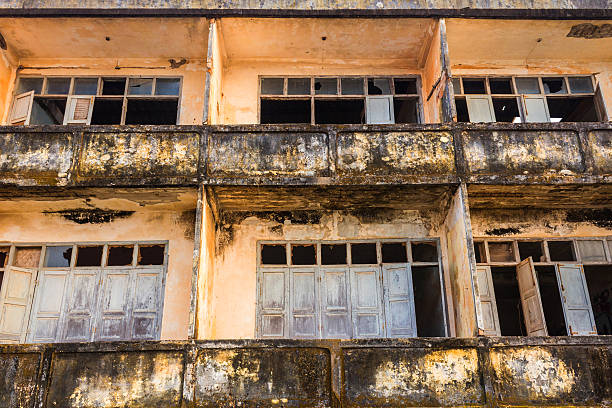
<point x="535" y="323"/>
<point x="366" y="302"/>
<point x="46" y="324"/>
<point x="79" y="110"/>
<point x="399" y="301"/>
<point x="487" y="305"/>
<point x="579" y="318"/>
<point x="21" y="109"/>
<point x="480" y="108"/>
<point x="303" y="298"/>
<point x="15" y="302"/>
<point x="335" y="303"/>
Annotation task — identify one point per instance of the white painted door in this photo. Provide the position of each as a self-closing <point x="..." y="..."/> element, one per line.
<point x="480" y="108"/>
<point x="335" y="303"/>
<point x="535" y="323"/>
<point x="46" y="324"/>
<point x="579" y="318"/>
<point x="399" y="301"/>
<point x="488" y="307"/>
<point x="15" y="303"/>
<point x="366" y="302"/>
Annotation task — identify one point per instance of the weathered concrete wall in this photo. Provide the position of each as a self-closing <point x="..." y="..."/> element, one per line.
<point x="483" y="372"/>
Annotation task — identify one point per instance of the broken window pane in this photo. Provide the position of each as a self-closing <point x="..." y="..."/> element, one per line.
<point x="89" y="255"/>
<point x="303" y="255"/>
<point x="394" y="252"/>
<point x="501" y="252"/>
<point x="339" y="111"/>
<point x="58" y="256"/>
<point x="151" y="254"/>
<point x="406" y="110"/>
<point x="4" y="254"/>
<point x="167" y="86"/>
<point x="581" y="84"/>
<point x="424" y="252"/>
<point x="333" y="254"/>
<point x="456" y="85"/>
<point x="85" y="86"/>
<point x="113" y="86"/>
<point x="561" y="251"/>
<point x="474" y="86"/>
<point x="140" y="86"/>
<point x="29" y="84"/>
<point x="363" y="254"/>
<point x="298" y="86"/>
<point x="326" y="86"/>
<point x="591" y="251"/>
<point x="531" y="249"/>
<point x="352" y="86"/>
<point x="506" y="110"/>
<point x="151" y="112"/>
<point x="479" y="252"/>
<point x="48" y="111"/>
<point x="572" y="109"/>
<point x="554" y="85"/>
<point x="379" y="86"/>
<point x="285" y="111"/>
<point x="120" y="255"/>
<point x="500" y="85"/>
<point x="272" y="254"/>
<point x="107" y="112"/>
<point x="27" y="257"/>
<point x="272" y="86"/>
<point x="405" y="86"/>
<point x="527" y="85"/>
<point x="58" y="86"/>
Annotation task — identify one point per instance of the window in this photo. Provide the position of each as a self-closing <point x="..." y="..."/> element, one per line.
<point x="527" y="99"/>
<point x="69" y="292"/>
<point x="355" y="289"/>
<point x="545" y="286"/>
<point x="96" y="101"/>
<point x="339" y="100"/>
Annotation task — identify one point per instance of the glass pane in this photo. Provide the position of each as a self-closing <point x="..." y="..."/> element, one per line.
<point x="474" y="86"/>
<point x="272" y="86"/>
<point x="30" y="84"/>
<point x="167" y="86"/>
<point x="527" y="86"/>
<point x="113" y="86"/>
<point x="581" y="84"/>
<point x="298" y="86"/>
<point x="85" y="86"/>
<point x="27" y="257"/>
<point x="592" y="251"/>
<point x="58" y="256"/>
<point x="405" y="86"/>
<point x="352" y="86"/>
<point x="457" y="85"/>
<point x="89" y="256"/>
<point x="379" y="86"/>
<point x="58" y="86"/>
<point x="500" y="85"/>
<point x="326" y="86"/>
<point x="140" y="86"/>
<point x="554" y="85"/>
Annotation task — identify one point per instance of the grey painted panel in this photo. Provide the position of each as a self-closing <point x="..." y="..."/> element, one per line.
<point x="380" y="110"/>
<point x="304" y="306"/>
<point x="335" y="303"/>
<point x="366" y="299"/>
<point x="80" y="306"/>
<point x="114" y="303"/>
<point x="536" y="109"/>
<point x="146" y="309"/>
<point x="272" y="303"/>
<point x="488" y="305"/>
<point x="579" y="317"/>
<point x="480" y="108"/>
<point x="399" y="301"/>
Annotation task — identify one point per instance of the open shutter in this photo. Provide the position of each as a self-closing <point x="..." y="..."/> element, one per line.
<point x="600" y="105"/>
<point x="21" y="109"/>
<point x="112" y="321"/>
<point x="399" y="301"/>
<point x="536" y="109"/>
<point x="380" y="110"/>
<point x="480" y="108"/>
<point x="535" y="322"/>
<point x="303" y="295"/>
<point x="579" y="318"/>
<point x="81" y="303"/>
<point x="366" y="302"/>
<point x="272" y="302"/>
<point x="79" y="110"/>
<point x="45" y="326"/>
<point x="335" y="303"/>
<point x="15" y="301"/>
<point x="147" y="304"/>
<point x="488" y="307"/>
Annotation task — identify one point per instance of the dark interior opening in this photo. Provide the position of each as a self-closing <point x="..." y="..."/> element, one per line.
<point x="107" y="112"/>
<point x="506" y="110"/>
<point x="339" y="111"/>
<point x="500" y="85"/>
<point x="574" y="109"/>
<point x="501" y="252"/>
<point x="531" y="249"/>
<point x="508" y="299"/>
<point x="151" y="255"/>
<point x="363" y="253"/>
<point x="120" y="255"/>
<point x="48" y="111"/>
<point x="273" y="255"/>
<point x="394" y="252"/>
<point x="599" y="282"/>
<point x="303" y="255"/>
<point x="113" y="86"/>
<point x="4" y="253"/>
<point x="551" y="300"/>
<point x="333" y="254"/>
<point x="284" y="111"/>
<point x="405" y="86"/>
<point x="428" y="301"/>
<point x="89" y="256"/>
<point x="462" y="110"/>
<point x="474" y="86"/>
<point x="151" y="112"/>
<point x="405" y="110"/>
<point x="561" y="251"/>
<point x="58" y="256"/>
<point x="424" y="252"/>
<point x="479" y="252"/>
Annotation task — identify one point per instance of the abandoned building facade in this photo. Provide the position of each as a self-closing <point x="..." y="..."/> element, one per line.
<point x="343" y="204"/>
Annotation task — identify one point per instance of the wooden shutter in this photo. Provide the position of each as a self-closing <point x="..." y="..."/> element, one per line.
<point x="366" y="302"/>
<point x="304" y="310"/>
<point x="49" y="299"/>
<point x="487" y="305"/>
<point x="147" y="304"/>
<point x="112" y="321"/>
<point x="335" y="303"/>
<point x="579" y="318"/>
<point x="480" y="108"/>
<point x="21" y="109"/>
<point x="379" y="110"/>
<point x="79" y="110"/>
<point x="536" y="109"/>
<point x="600" y="105"/>
<point x="535" y="323"/>
<point x="15" y="302"/>
<point x="81" y="305"/>
<point x="399" y="301"/>
<point x="272" y="303"/>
